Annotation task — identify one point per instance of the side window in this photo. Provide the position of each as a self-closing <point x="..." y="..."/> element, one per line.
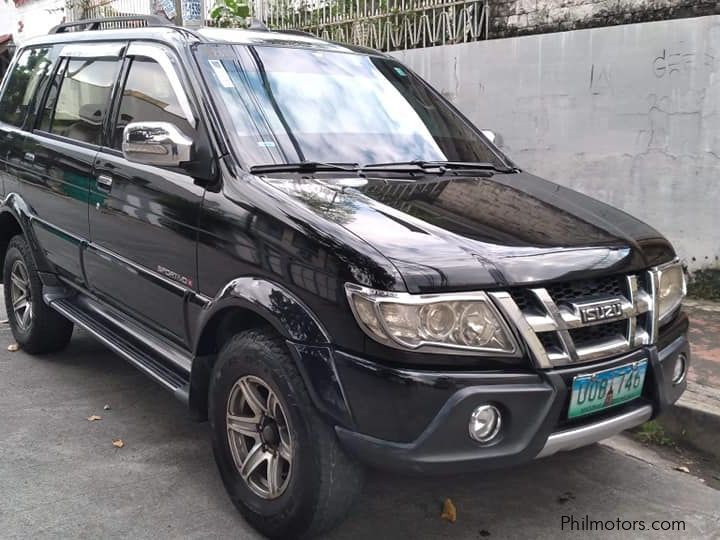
<point x="148" y="96"/>
<point x="46" y="114"/>
<point x="83" y="99"/>
<point x="25" y="84"/>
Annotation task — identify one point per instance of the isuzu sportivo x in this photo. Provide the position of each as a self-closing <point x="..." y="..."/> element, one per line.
<point x="312" y="248"/>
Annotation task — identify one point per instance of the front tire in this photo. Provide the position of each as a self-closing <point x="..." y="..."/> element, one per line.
<point x="280" y="462"/>
<point x="36" y="327"/>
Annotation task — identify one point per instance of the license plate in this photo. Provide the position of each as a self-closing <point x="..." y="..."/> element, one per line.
<point x="597" y="391"/>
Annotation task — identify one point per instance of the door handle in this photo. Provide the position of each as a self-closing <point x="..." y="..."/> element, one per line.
<point x="29" y="157"/>
<point x="104" y="182"/>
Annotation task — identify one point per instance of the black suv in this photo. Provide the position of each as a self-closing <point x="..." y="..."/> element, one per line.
<point x="312" y="248"/>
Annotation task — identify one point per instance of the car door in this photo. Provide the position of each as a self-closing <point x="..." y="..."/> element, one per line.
<point x="20" y="90"/>
<point x="143" y="218"/>
<point x="53" y="165"/>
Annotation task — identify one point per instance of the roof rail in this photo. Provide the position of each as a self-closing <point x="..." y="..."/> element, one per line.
<point x="96" y="24"/>
<point x="297" y="33"/>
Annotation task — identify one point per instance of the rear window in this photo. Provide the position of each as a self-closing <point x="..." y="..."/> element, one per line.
<point x="25" y="84"/>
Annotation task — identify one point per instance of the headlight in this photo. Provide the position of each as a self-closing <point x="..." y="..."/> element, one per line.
<point x="450" y="323"/>
<point x="671" y="290"/>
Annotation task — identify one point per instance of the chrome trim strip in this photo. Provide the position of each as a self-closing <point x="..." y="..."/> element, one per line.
<point x="632" y="284"/>
<point x="558" y="359"/>
<point x="554" y="312"/>
<point x="607" y="348"/>
<point x="653" y="279"/>
<point x="542" y="323"/>
<point x="513" y="314"/>
<point x="592" y="433"/>
<point x="161" y="56"/>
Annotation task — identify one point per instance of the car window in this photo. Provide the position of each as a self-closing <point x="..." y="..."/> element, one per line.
<point x="25" y="84"/>
<point x="83" y="99"/>
<point x="148" y="96"/>
<point x="46" y="115"/>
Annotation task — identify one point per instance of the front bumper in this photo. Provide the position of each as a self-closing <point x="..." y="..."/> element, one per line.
<point x="417" y="421"/>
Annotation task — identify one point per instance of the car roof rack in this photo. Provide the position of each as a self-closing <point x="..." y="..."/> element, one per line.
<point x="97" y="24"/>
<point x="294" y="32"/>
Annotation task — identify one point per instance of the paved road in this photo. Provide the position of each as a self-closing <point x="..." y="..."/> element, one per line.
<point x="60" y="476"/>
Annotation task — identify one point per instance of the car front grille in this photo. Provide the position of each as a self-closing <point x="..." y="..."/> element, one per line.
<point x="583" y="320"/>
<point x="608" y="287"/>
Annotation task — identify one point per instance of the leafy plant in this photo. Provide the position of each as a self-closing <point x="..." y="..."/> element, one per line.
<point x="705" y="284"/>
<point x="230" y="13"/>
<point x="653" y="433"/>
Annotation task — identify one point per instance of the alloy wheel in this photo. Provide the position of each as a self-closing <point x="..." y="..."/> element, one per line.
<point x="21" y="295"/>
<point x="259" y="436"/>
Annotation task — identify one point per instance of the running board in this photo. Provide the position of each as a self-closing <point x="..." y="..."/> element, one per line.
<point x="119" y="344"/>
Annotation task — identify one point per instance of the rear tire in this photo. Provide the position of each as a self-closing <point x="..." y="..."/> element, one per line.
<point x="36" y="327"/>
<point x="317" y="483"/>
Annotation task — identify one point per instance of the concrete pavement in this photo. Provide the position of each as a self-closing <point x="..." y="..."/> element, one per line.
<point x="61" y="477"/>
<point x="695" y="418"/>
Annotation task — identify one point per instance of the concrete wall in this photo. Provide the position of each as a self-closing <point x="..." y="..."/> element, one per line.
<point x="627" y="114"/>
<point x="37" y="18"/>
<point x="520" y="17"/>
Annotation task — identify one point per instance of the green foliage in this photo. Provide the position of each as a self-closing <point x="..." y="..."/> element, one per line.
<point x="653" y="433"/>
<point x="705" y="284"/>
<point x="230" y="13"/>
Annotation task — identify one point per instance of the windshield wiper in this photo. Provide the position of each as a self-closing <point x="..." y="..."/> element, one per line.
<point x="305" y="166"/>
<point x="441" y="166"/>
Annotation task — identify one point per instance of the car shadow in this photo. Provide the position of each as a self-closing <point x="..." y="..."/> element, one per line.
<point x="165" y="447"/>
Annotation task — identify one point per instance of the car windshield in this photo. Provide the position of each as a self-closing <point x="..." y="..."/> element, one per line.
<point x="290" y="105"/>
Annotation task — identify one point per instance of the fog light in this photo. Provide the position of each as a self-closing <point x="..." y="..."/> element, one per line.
<point x="680" y="369"/>
<point x="485" y="422"/>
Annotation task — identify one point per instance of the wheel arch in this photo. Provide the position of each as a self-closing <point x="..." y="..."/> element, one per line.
<point x="9" y="227"/>
<point x="260" y="301"/>
<point x="251" y="302"/>
<point x="15" y="219"/>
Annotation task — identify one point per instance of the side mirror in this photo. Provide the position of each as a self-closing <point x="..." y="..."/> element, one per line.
<point x="156" y="143"/>
<point x="493" y="137"/>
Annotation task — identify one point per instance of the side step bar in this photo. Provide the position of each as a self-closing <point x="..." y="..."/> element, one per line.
<point x="168" y="378"/>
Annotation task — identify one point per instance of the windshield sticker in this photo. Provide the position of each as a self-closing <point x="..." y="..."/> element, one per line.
<point x="221" y="74"/>
<point x="266" y="144"/>
<point x="400" y="71"/>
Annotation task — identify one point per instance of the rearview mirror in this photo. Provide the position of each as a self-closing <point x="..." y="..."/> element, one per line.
<point x="493" y="137"/>
<point x="156" y="143"/>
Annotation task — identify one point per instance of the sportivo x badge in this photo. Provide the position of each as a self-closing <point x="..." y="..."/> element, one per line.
<point x="603" y="310"/>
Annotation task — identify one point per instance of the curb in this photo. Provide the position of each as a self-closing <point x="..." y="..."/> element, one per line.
<point x="694" y="420"/>
<point x="703" y="305"/>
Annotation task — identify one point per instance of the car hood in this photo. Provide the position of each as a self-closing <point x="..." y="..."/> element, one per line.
<point x="447" y="233"/>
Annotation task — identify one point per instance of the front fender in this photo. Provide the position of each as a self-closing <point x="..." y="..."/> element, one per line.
<point x="308" y="343"/>
<point x="282" y="309"/>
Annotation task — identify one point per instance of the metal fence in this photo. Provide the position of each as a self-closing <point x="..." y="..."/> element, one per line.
<point x="380" y="24"/>
<point x="97" y="9"/>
